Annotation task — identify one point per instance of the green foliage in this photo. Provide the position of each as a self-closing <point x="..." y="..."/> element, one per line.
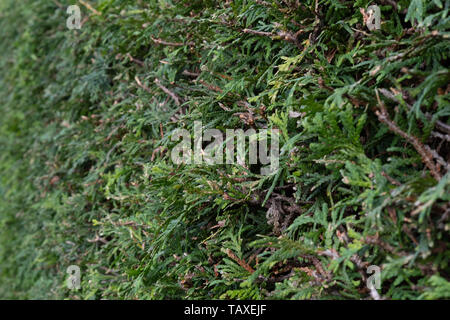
<point x="87" y="178"/>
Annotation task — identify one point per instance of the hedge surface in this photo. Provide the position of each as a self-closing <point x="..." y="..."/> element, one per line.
<point x="85" y="137"/>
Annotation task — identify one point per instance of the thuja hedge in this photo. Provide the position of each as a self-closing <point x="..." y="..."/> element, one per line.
<point x="85" y="136"/>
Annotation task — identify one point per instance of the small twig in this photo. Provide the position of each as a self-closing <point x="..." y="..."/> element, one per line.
<point x="424" y="151"/>
<point x="445" y="137"/>
<point x="161" y="131"/>
<point x="439" y="124"/>
<point x="317" y="24"/>
<point x="172" y="44"/>
<point x="375" y="240"/>
<point x="390" y="179"/>
<point x="409" y="234"/>
<point x="259" y="33"/>
<point x="97" y="239"/>
<point x="90" y="8"/>
<point x="439" y="159"/>
<point x="58" y="4"/>
<point x="210" y="86"/>
<point x="284" y="35"/>
<point x="242" y="263"/>
<point x="190" y="73"/>
<point x="140" y="84"/>
<point x="160" y="149"/>
<point x="170" y="93"/>
<point x="319" y="267"/>
<point x="263" y="3"/>
<point x="139" y="62"/>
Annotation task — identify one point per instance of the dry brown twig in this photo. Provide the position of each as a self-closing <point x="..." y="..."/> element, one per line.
<point x="172" y="44"/>
<point x="425" y="151"/>
<point x="240" y="262"/>
<point x="445" y="137"/>
<point x="283" y="35"/>
<point x="439" y="124"/>
<point x="390" y="179"/>
<point x="174" y="97"/>
<point x="58" y="4"/>
<point x="140" y="84"/>
<point x="139" y="62"/>
<point x="90" y="8"/>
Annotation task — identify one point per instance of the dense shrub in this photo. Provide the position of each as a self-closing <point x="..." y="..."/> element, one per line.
<point x="85" y="137"/>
